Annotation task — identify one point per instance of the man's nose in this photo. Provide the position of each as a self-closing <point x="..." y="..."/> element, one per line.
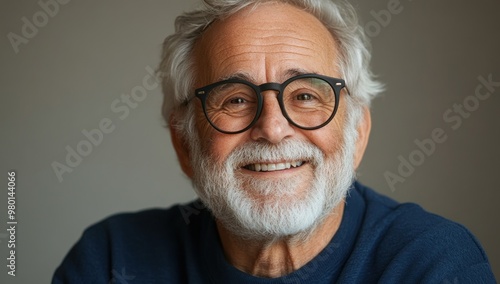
<point x="271" y="125"/>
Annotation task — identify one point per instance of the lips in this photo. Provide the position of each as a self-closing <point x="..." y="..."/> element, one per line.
<point x="270" y="167"/>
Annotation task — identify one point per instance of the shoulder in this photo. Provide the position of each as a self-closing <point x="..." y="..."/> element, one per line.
<point x="408" y="241"/>
<point x="179" y="219"/>
<point x="407" y="222"/>
<point x="388" y="216"/>
<point x="133" y="241"/>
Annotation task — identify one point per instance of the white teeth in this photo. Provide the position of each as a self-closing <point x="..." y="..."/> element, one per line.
<point x="280" y="166"/>
<point x="274" y="167"/>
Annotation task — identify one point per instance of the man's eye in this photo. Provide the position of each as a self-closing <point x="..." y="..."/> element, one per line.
<point x="304" y="97"/>
<point x="237" y="101"/>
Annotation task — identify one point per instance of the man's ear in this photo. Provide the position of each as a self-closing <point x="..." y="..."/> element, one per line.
<point x="364" y="128"/>
<point x="181" y="147"/>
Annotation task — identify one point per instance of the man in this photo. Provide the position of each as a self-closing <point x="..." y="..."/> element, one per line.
<point x="268" y="108"/>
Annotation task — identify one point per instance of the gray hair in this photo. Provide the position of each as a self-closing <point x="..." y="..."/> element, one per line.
<point x="177" y="67"/>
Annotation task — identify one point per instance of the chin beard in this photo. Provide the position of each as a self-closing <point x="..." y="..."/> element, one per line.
<point x="269" y="210"/>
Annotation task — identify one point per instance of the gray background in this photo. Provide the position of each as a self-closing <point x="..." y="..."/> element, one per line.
<point x="66" y="77"/>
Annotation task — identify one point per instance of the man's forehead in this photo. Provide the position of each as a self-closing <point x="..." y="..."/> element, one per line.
<point x="253" y="46"/>
<point x="282" y="76"/>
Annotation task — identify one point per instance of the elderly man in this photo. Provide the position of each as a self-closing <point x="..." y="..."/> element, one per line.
<point x="268" y="108"/>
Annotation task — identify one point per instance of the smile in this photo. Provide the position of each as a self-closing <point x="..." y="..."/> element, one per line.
<point x="270" y="167"/>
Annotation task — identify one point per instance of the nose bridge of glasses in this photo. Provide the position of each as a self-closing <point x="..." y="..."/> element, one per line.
<point x="278" y="88"/>
<point x="270" y="87"/>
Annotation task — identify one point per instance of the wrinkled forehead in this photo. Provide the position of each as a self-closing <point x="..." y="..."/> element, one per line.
<point x="276" y="36"/>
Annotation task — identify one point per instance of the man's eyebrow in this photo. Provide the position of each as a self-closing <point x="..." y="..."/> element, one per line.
<point x="296" y="72"/>
<point x="239" y="76"/>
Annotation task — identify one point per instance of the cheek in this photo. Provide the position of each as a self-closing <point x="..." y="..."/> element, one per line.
<point x="214" y="143"/>
<point x="202" y="125"/>
<point x="221" y="145"/>
<point x="328" y="140"/>
<point x="331" y="137"/>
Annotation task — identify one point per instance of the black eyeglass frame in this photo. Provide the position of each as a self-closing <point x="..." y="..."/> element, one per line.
<point x="336" y="84"/>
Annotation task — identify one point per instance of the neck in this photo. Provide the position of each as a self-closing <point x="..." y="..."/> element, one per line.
<point x="276" y="258"/>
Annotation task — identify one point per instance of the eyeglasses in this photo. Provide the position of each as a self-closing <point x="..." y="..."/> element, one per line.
<point x="307" y="101"/>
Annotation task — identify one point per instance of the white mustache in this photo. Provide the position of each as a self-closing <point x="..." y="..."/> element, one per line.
<point x="287" y="151"/>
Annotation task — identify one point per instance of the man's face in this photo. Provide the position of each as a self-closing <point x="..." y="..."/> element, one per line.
<point x="269" y="44"/>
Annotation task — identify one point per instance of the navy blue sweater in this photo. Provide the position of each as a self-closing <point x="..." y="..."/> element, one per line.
<point x="378" y="241"/>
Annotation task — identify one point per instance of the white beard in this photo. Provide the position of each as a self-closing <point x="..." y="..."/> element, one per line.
<point x="291" y="207"/>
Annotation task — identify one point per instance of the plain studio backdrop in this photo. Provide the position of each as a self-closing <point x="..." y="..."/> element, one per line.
<point x="67" y="67"/>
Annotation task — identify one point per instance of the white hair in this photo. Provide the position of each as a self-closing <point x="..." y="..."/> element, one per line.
<point x="339" y="17"/>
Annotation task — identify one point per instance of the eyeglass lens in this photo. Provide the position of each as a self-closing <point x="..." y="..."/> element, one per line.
<point x="308" y="102"/>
